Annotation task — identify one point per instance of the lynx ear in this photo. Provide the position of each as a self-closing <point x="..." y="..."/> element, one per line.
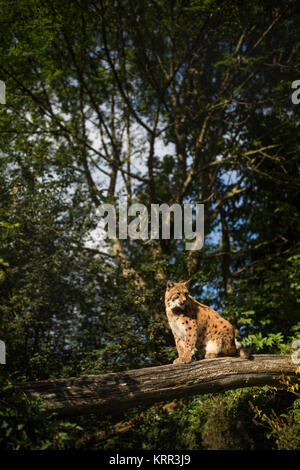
<point x="186" y="283"/>
<point x="170" y="284"/>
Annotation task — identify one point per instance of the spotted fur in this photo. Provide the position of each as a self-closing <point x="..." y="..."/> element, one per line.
<point x="197" y="327"/>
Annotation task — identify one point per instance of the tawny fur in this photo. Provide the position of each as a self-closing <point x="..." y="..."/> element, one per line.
<point x="197" y="327"/>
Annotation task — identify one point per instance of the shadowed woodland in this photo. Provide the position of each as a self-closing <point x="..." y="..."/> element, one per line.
<point x="147" y="102"/>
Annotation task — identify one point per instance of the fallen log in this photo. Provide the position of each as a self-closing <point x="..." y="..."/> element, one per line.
<point x="123" y="426"/>
<point x="118" y="391"/>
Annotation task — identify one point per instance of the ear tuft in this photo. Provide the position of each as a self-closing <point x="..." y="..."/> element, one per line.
<point x="186" y="283"/>
<point x="170" y="284"/>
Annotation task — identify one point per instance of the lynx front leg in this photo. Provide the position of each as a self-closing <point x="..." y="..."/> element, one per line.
<point x="185" y="352"/>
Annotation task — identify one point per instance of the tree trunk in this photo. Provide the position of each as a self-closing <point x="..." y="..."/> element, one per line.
<point x="116" y="391"/>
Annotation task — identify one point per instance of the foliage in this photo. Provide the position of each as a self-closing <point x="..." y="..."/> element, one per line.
<point x="283" y="428"/>
<point x="206" y="422"/>
<point x="26" y="425"/>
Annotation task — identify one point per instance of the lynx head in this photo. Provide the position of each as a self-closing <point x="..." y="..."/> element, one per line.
<point x="177" y="294"/>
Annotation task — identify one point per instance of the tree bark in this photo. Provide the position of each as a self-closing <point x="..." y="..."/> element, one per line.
<point x="118" y="391"/>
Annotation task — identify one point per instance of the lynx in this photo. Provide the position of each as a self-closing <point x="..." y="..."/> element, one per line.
<point x="197" y="327"/>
